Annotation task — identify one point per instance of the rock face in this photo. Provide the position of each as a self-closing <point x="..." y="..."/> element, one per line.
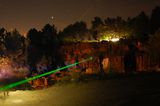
<point x="9" y="69"/>
<point x="113" y="55"/>
<point x="6" y="69"/>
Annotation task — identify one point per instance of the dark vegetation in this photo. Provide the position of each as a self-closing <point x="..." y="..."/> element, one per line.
<point x="47" y="42"/>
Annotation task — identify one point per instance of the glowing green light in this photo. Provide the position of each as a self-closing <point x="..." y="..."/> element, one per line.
<point x="41" y="75"/>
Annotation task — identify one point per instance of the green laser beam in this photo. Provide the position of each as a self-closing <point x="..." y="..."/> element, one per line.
<point x="41" y="75"/>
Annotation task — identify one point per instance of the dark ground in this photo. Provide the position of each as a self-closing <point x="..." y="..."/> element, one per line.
<point x="136" y="90"/>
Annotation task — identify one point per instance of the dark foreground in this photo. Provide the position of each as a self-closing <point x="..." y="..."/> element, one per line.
<point x="137" y="90"/>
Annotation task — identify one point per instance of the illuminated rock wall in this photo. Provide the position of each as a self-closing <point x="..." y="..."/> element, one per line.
<point x="112" y="56"/>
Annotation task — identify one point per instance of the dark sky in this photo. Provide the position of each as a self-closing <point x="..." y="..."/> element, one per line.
<point x="26" y="14"/>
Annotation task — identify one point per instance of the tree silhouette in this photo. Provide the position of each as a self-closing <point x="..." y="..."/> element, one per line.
<point x="13" y="41"/>
<point x="97" y="26"/>
<point x="51" y="45"/>
<point x="2" y="34"/>
<point x="155" y="20"/>
<point x="140" y="26"/>
<point x="112" y="28"/>
<point x="97" y="22"/>
<point x="34" y="50"/>
<point x="74" y="32"/>
<point x="154" y="44"/>
<point x="2" y="40"/>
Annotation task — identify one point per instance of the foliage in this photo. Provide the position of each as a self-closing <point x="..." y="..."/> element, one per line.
<point x="43" y="43"/>
<point x="112" y="28"/>
<point x="155" y="20"/>
<point x="13" y="41"/>
<point x="2" y="40"/>
<point x="2" y="35"/>
<point x="6" y="68"/>
<point x="154" y="44"/>
<point x="34" y="48"/>
<point x="154" y="50"/>
<point x="140" y="27"/>
<point x="74" y="32"/>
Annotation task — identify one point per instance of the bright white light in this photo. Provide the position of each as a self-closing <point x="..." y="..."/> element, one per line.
<point x="115" y="39"/>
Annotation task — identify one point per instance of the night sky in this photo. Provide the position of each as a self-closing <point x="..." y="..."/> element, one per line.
<point x="26" y="14"/>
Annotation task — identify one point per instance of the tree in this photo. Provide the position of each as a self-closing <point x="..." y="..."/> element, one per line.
<point x="113" y="28"/>
<point x="154" y="44"/>
<point x="140" y="26"/>
<point x="97" y="25"/>
<point x="2" y="34"/>
<point x="34" y="50"/>
<point x="155" y="20"/>
<point x="51" y="45"/>
<point x="34" y="37"/>
<point x="97" y="22"/>
<point x="2" y="40"/>
<point x="13" y="41"/>
<point x="74" y="32"/>
<point x="115" y="23"/>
